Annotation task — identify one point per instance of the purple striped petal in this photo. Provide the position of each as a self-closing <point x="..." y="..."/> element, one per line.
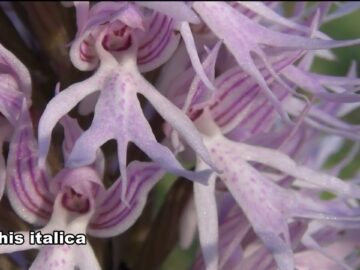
<point x="240" y="102"/>
<point x="113" y="216"/>
<point x="232" y="231"/>
<point x="157" y="43"/>
<point x="260" y="258"/>
<point x="27" y="186"/>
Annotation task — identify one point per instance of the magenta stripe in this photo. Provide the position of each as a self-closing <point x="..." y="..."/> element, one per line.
<point x="115" y="204"/>
<point x="154" y="20"/>
<point x="231" y="88"/>
<point x="37" y="183"/>
<point x="229" y="74"/>
<point x="236" y="84"/>
<point x="116" y="220"/>
<point x="253" y="114"/>
<point x="251" y="94"/>
<point x="113" y="192"/>
<point x="39" y="210"/>
<point x="18" y="162"/>
<point x="44" y="179"/>
<point x="256" y="87"/>
<point x="118" y="200"/>
<point x="124" y="212"/>
<point x="32" y="174"/>
<point x="158" y="49"/>
<point x="266" y="114"/>
<point x="282" y="62"/>
<point x="118" y="185"/>
<point x="151" y="28"/>
<point x="156" y="34"/>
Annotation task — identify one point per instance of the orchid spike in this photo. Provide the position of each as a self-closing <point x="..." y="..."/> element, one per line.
<point x="225" y="94"/>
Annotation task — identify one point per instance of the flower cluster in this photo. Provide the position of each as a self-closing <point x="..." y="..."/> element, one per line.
<point x="234" y="87"/>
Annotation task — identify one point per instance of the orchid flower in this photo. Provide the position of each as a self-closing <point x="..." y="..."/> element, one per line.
<point x="236" y="169"/>
<point x="261" y="199"/>
<point x="74" y="201"/>
<point x="119" y="45"/>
